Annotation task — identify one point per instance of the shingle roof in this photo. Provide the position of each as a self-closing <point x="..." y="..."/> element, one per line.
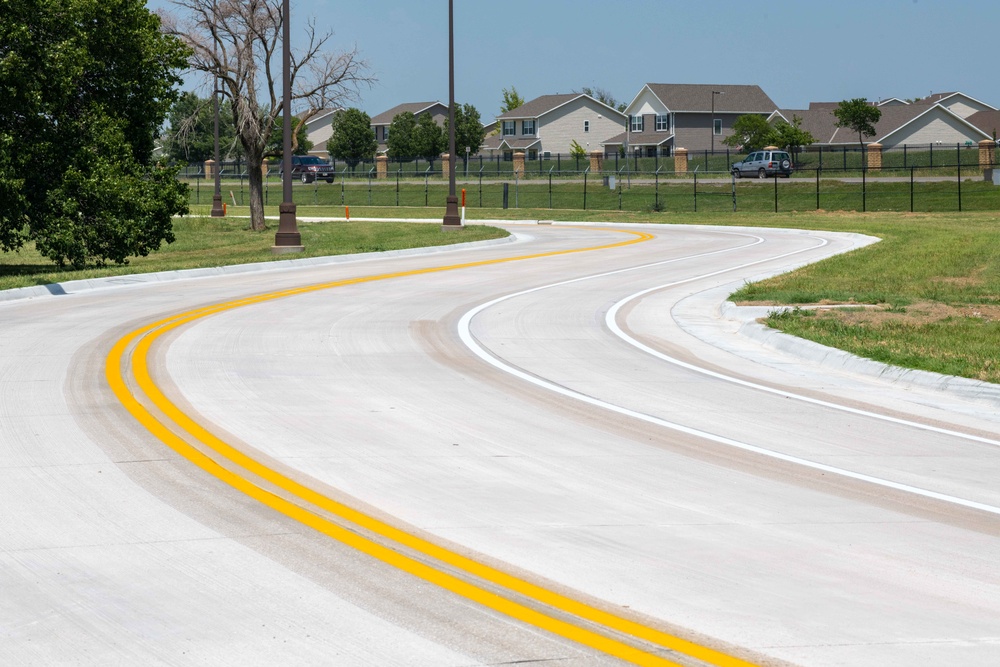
<point x="386" y="117"/>
<point x="539" y="106"/>
<point x="987" y="121"/>
<point x="639" y="138"/>
<point x="822" y="124"/>
<point x="695" y="97"/>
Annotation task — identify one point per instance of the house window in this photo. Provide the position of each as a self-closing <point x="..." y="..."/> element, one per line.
<point x="385" y="133"/>
<point x="717" y="129"/>
<point x="586" y="126"/>
<point x="532" y="154"/>
<point x="508" y="128"/>
<point x="528" y="128"/>
<point x="637" y="123"/>
<point x="662" y="123"/>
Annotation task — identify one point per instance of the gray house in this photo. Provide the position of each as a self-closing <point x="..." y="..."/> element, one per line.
<point x="665" y="116"/>
<point x="381" y="122"/>
<point x="550" y="124"/>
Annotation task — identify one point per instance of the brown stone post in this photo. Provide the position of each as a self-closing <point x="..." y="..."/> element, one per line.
<point x="986" y="148"/>
<point x="519" y="163"/>
<point x="596" y="162"/>
<point x="445" y="165"/>
<point x="874" y="155"/>
<point x="381" y="166"/>
<point x="209" y="170"/>
<point x="680" y="160"/>
<point x="264" y="168"/>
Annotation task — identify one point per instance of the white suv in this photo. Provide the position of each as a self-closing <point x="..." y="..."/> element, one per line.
<point x="764" y="164"/>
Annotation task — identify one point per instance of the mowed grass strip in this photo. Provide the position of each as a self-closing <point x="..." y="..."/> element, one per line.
<point x="206" y="241"/>
<point x="933" y="285"/>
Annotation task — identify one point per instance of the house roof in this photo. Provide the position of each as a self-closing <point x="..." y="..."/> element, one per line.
<point x="938" y="98"/>
<point x="987" y="121"/>
<point x="518" y="143"/>
<point x="547" y="103"/>
<point x="415" y="108"/>
<point x="698" y="97"/>
<point x="822" y="124"/>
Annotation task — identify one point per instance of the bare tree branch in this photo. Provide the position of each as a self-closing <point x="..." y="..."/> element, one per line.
<point x="239" y="42"/>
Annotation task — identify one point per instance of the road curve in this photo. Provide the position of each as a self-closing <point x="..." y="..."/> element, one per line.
<point x="542" y="450"/>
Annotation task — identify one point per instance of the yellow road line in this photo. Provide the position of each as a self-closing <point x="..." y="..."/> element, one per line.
<point x="144" y="337"/>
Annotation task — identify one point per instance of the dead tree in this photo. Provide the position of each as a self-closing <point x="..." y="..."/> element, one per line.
<point x="239" y="41"/>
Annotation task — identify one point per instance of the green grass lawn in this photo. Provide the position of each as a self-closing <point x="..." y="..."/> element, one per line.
<point x="934" y="280"/>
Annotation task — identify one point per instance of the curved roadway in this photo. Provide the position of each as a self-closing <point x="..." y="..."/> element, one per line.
<point x="554" y="449"/>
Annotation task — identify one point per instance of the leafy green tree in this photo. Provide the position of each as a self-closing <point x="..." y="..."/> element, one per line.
<point x="791" y="136"/>
<point x="751" y="132"/>
<point x="511" y="100"/>
<point x="353" y="138"/>
<point x="400" y="142"/>
<point x="859" y="116"/>
<point x="469" y="130"/>
<point x="86" y="85"/>
<point x="428" y="138"/>
<point x="576" y="150"/>
<point x="300" y="138"/>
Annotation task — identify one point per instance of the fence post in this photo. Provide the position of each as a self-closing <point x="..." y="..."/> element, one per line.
<point x="732" y="178"/>
<point x="817" y="184"/>
<point x="864" y="190"/>
<point x="398" y="170"/>
<point x="550" y="187"/>
<point x="911" y="189"/>
<point x="585" y="188"/>
<point x="775" y="193"/>
<point x="958" y="171"/>
<point x="506" y="190"/>
<point x="696" y="192"/>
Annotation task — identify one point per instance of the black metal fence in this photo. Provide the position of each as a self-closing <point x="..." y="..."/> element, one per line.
<point x="952" y="187"/>
<point x="807" y="160"/>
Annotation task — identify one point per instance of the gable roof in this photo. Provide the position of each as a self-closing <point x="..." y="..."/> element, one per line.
<point x="415" y="108"/>
<point x="939" y="98"/>
<point x="544" y="104"/>
<point x="822" y="124"/>
<point x="987" y="121"/>
<point x="698" y="97"/>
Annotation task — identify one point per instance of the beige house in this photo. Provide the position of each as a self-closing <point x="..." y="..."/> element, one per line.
<point x="939" y="119"/>
<point x="548" y="125"/>
<point x="319" y="130"/>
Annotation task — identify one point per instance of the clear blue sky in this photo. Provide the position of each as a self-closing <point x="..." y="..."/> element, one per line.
<point x="797" y="51"/>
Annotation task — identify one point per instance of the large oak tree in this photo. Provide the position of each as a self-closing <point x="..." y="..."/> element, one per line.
<point x="84" y="87"/>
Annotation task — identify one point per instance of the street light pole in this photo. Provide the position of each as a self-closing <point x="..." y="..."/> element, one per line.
<point x="452" y="220"/>
<point x="287" y="239"/>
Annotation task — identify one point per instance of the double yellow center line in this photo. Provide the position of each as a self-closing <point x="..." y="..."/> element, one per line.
<point x="128" y="364"/>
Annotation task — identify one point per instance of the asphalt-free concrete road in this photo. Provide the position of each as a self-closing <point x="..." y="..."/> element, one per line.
<point x="596" y="423"/>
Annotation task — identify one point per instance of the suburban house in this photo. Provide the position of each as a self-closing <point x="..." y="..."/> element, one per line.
<point x="945" y="119"/>
<point x="381" y="122"/>
<point x="319" y="130"/>
<point x="551" y="123"/>
<point x="665" y="116"/>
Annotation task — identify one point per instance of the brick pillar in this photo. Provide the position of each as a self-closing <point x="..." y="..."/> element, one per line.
<point x="264" y="168"/>
<point x="874" y="155"/>
<point x="519" y="163"/>
<point x="209" y="170"/>
<point x="596" y="162"/>
<point x="381" y="166"/>
<point x="445" y="165"/>
<point x="986" y="147"/>
<point x="680" y="160"/>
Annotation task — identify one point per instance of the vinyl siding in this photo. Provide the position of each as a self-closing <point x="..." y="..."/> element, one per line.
<point x="558" y="129"/>
<point x="932" y="128"/>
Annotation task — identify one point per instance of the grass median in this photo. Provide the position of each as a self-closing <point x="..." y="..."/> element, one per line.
<point x="926" y="297"/>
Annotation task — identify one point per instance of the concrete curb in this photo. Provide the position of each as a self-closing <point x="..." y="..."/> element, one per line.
<point x="746" y="319"/>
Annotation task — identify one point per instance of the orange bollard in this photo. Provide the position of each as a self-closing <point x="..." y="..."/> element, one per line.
<point x="347" y="212"/>
<point x="223" y="209"/>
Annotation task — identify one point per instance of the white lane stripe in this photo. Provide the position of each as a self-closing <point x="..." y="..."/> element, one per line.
<point x="611" y="320"/>
<point x="465" y="333"/>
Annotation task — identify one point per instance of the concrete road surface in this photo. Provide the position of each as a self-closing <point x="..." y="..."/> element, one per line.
<point x="557" y="449"/>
